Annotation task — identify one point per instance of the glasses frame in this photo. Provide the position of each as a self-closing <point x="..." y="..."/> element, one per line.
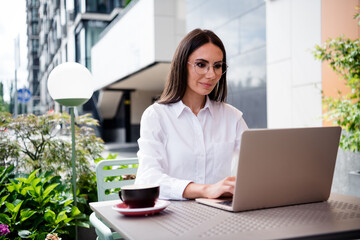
<point x="208" y="68"/>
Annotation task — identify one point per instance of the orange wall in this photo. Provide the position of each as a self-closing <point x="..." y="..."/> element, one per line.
<point x="336" y="20"/>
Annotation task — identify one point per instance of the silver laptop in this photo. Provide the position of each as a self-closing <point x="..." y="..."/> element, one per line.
<point x="279" y="167"/>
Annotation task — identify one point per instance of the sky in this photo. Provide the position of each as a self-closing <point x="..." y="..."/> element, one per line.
<point x="12" y="25"/>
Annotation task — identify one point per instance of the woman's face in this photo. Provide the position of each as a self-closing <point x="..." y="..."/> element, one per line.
<point x="200" y="82"/>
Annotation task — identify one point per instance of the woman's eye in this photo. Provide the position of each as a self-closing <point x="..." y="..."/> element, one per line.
<point x="218" y="66"/>
<point x="200" y="64"/>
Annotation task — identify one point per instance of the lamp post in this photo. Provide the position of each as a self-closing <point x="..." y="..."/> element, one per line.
<point x="70" y="84"/>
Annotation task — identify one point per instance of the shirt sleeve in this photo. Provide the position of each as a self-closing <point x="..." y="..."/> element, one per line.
<point x="153" y="162"/>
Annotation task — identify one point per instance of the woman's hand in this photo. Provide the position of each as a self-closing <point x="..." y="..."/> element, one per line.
<point x="223" y="188"/>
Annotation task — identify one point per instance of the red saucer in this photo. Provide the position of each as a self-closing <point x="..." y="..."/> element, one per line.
<point x="125" y="210"/>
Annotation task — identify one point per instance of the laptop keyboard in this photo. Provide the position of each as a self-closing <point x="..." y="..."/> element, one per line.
<point x="226" y="203"/>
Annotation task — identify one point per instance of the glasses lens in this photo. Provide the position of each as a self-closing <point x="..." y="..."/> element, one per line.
<point x="218" y="68"/>
<point x="225" y="67"/>
<point x="203" y="68"/>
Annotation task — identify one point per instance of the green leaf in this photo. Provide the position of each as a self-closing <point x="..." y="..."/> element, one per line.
<point x="32" y="176"/>
<point x="81" y="216"/>
<point x="13" y="186"/>
<point x="61" y="217"/>
<point x="38" y="190"/>
<point x="49" y="216"/>
<point x="68" y="202"/>
<point x="18" y="206"/>
<point x="3" y="199"/>
<point x="75" y="211"/>
<point x="49" y="189"/>
<point x="83" y="224"/>
<point x="25" y="190"/>
<point x="10" y="206"/>
<point x="5" y="174"/>
<point x="26" y="214"/>
<point x="21" y="179"/>
<point x="35" y="182"/>
<point x="5" y="219"/>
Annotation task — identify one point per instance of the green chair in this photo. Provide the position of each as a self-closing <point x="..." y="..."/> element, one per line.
<point x="107" y="177"/>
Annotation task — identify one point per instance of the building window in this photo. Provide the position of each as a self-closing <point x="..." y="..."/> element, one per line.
<point x="34" y="3"/>
<point x="35" y="45"/>
<point x="80" y="47"/>
<point x="35" y="28"/>
<point x="86" y="38"/>
<point x="34" y="14"/>
<point x="98" y="6"/>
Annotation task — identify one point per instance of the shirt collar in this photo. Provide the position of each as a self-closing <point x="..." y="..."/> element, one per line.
<point x="179" y="107"/>
<point x="209" y="105"/>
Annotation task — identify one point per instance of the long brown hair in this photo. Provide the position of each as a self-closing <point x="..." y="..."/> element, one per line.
<point x="176" y="82"/>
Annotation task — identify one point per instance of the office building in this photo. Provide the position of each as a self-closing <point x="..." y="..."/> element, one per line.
<point x="273" y="77"/>
<point x="32" y="20"/>
<point x="61" y="31"/>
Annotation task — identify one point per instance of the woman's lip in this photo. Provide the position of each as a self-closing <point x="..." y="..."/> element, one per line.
<point x="206" y="84"/>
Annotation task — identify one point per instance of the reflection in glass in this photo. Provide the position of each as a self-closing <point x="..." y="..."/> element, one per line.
<point x="248" y="70"/>
<point x="230" y="35"/>
<point x="93" y="31"/>
<point x="241" y="26"/>
<point x="253" y="30"/>
<point x="237" y="8"/>
<point x="208" y="15"/>
<point x="97" y="6"/>
<point x="247" y="86"/>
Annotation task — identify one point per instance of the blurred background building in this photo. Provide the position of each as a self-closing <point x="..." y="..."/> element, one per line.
<point x="33" y="28"/>
<point x="273" y="77"/>
<point x="60" y="31"/>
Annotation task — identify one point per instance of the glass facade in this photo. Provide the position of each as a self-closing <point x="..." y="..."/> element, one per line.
<point x="97" y="6"/>
<point x="87" y="34"/>
<point x="88" y="31"/>
<point x="53" y="40"/>
<point x="241" y="26"/>
<point x="33" y="44"/>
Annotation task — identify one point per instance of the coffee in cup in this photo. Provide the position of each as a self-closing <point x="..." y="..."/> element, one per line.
<point x="139" y="195"/>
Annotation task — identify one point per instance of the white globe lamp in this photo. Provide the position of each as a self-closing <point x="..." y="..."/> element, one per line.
<point x="71" y="84"/>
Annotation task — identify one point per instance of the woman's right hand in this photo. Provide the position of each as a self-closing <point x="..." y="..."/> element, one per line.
<point x="223" y="188"/>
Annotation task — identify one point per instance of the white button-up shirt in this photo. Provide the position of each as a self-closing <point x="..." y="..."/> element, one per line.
<point x="177" y="147"/>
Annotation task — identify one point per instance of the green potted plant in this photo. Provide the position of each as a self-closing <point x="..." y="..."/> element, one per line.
<point x="343" y="55"/>
<point x="42" y="143"/>
<point x="35" y="205"/>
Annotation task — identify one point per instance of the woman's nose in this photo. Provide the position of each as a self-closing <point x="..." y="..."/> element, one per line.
<point x="211" y="72"/>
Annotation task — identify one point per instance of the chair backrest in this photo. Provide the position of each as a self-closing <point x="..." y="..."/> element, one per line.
<point x="111" y="175"/>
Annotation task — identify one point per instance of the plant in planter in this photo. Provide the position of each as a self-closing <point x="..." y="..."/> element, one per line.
<point x="36" y="204"/>
<point x="42" y="143"/>
<point x="343" y="55"/>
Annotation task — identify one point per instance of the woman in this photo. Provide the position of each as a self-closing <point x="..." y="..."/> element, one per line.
<point x="190" y="136"/>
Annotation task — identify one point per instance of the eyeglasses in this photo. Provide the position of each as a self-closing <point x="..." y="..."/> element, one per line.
<point x="203" y="67"/>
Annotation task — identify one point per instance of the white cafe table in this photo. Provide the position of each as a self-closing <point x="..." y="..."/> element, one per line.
<point x="337" y="218"/>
